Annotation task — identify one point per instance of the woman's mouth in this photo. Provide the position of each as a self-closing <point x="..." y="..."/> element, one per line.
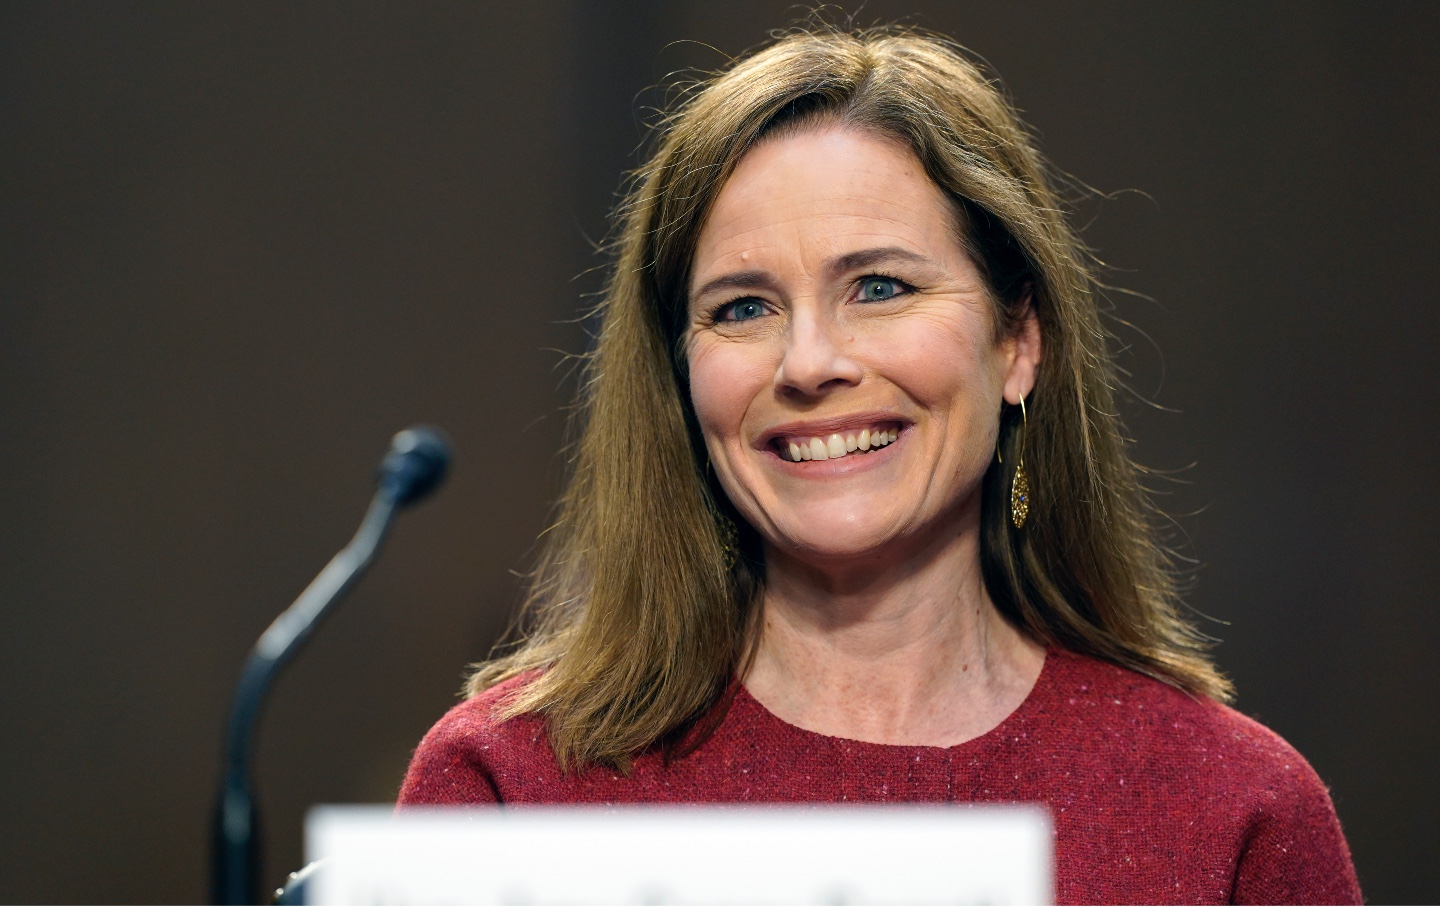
<point x="796" y="448"/>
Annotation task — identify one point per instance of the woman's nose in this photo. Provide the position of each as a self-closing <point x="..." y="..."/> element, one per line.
<point x="818" y="357"/>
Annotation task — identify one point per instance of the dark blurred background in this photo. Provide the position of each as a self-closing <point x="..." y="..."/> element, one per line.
<point x="245" y="243"/>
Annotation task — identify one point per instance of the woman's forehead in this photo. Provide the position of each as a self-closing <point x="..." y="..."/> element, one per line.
<point x="818" y="193"/>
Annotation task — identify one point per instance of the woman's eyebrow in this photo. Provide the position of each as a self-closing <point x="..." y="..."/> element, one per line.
<point x="851" y="261"/>
<point x="864" y="258"/>
<point x="740" y="280"/>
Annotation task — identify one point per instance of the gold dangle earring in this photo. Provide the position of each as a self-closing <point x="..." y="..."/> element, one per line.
<point x="1020" y="485"/>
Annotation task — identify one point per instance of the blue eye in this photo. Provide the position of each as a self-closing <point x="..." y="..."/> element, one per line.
<point x="742" y="310"/>
<point x="879" y="289"/>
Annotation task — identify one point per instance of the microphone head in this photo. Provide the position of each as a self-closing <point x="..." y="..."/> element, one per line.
<point x="415" y="465"/>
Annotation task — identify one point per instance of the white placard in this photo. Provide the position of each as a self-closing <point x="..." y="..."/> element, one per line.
<point x="681" y="855"/>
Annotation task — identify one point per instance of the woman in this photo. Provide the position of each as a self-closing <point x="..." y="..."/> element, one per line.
<point x="851" y="517"/>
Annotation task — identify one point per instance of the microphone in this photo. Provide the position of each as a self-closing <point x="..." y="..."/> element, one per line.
<point x="414" y="467"/>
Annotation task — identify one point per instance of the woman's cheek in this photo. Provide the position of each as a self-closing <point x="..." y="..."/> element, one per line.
<point x="723" y="383"/>
<point x="938" y="360"/>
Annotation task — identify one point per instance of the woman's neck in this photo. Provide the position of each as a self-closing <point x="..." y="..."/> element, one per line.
<point x="912" y="654"/>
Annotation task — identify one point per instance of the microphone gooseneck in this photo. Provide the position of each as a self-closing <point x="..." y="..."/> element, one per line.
<point x="414" y="466"/>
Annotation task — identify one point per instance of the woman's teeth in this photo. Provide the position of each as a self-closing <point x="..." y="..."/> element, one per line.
<point x="837" y="445"/>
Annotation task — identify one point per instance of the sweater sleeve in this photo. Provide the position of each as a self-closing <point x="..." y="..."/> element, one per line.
<point x="448" y="767"/>
<point x="1296" y="853"/>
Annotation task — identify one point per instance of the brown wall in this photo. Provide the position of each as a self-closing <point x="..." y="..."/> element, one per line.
<point x="243" y="245"/>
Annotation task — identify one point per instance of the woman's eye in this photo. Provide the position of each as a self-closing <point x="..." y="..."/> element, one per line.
<point x="879" y="289"/>
<point x="742" y="310"/>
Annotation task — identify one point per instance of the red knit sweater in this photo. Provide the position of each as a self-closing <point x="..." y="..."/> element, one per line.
<point x="1157" y="797"/>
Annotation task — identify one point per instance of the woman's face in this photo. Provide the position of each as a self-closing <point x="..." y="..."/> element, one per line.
<point x="843" y="359"/>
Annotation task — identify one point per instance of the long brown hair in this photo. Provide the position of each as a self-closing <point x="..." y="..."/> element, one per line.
<point x="641" y="610"/>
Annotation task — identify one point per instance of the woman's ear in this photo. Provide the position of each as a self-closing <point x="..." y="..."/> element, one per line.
<point x="1023" y="350"/>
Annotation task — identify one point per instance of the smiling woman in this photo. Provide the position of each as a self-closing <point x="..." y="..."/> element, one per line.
<point x="851" y="516"/>
<point x="835" y="305"/>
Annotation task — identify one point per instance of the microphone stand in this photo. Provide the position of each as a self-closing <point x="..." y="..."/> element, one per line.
<point x="414" y="466"/>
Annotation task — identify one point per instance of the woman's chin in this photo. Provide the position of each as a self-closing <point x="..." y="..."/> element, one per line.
<point x="839" y="545"/>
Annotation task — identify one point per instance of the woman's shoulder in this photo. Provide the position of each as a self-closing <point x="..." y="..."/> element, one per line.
<point x="1154" y="717"/>
<point x="467" y="754"/>
<point x="1119" y="700"/>
<point x="1229" y="772"/>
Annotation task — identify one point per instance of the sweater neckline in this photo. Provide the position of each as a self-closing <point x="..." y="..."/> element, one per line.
<point x="1033" y="700"/>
